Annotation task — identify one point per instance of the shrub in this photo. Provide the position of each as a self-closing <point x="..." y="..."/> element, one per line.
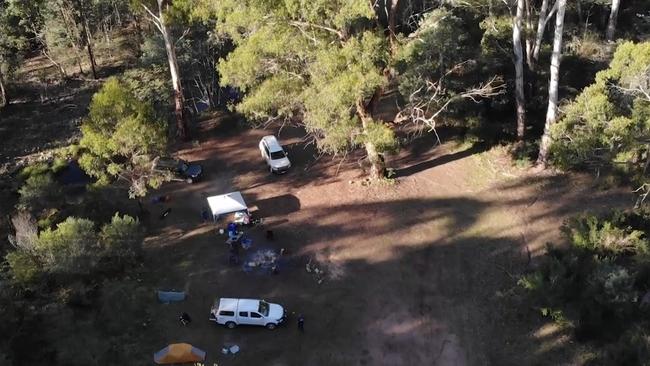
<point x="588" y="46"/>
<point x="24" y="268"/>
<point x="75" y="248"/>
<point x="39" y="191"/>
<point x="39" y="168"/>
<point x="72" y="248"/>
<point x="604" y="237"/>
<point x="121" y="240"/>
<point x="58" y="164"/>
<point x="596" y="281"/>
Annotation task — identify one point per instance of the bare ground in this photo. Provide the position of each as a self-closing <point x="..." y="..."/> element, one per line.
<point x="420" y="270"/>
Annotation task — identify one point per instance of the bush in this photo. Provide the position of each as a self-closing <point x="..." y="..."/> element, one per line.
<point x="588" y="46"/>
<point x="72" y="248"/>
<point x="605" y="237"/>
<point x="149" y="85"/>
<point x="39" y="168"/>
<point x="75" y="248"/>
<point x="122" y="241"/>
<point x="24" y="268"/>
<point x="39" y="191"/>
<point x="597" y="280"/>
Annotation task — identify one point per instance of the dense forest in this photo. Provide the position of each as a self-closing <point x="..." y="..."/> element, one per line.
<point x="560" y="86"/>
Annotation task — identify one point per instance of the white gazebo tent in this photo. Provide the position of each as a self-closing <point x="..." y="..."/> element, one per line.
<point x="226" y="203"/>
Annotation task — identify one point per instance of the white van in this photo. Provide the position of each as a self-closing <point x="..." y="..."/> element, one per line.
<point x="274" y="155"/>
<point x="233" y="312"/>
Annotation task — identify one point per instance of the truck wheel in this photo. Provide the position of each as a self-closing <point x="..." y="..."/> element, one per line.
<point x="270" y="326"/>
<point x="231" y="325"/>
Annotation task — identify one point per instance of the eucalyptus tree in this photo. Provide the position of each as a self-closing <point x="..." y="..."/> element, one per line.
<point x="321" y="62"/>
<point x="556" y="58"/>
<point x="160" y="13"/>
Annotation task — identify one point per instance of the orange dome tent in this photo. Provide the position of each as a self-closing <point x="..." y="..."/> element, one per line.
<point x="178" y="353"/>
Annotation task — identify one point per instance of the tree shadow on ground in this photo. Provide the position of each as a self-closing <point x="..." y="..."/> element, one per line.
<point x="407" y="284"/>
<point x="440" y="160"/>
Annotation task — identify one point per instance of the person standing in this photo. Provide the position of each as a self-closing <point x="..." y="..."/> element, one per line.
<point x="185" y="318"/>
<point x="301" y="323"/>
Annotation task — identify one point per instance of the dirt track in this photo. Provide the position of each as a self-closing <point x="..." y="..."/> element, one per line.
<point x="418" y="273"/>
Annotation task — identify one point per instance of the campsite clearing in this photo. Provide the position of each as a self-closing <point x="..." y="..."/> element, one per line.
<point x="408" y="272"/>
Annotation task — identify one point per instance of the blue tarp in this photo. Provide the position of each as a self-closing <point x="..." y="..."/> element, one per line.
<point x="167" y="297"/>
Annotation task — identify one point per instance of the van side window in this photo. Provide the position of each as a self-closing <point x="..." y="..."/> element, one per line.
<point x="243" y="313"/>
<point x="255" y="315"/>
<point x="227" y="313"/>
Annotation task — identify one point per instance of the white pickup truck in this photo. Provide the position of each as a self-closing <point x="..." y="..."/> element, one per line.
<point x="233" y="312"/>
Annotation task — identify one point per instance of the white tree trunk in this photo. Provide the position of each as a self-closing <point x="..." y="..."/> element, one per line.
<point x="392" y="25"/>
<point x="179" y="99"/>
<point x="519" y="70"/>
<point x="556" y="59"/>
<point x="613" y="17"/>
<point x="3" y="93"/>
<point x="544" y="17"/>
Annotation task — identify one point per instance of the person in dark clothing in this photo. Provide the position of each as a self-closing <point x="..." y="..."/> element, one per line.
<point x="301" y="323"/>
<point x="165" y="213"/>
<point x="205" y="215"/>
<point x="234" y="253"/>
<point x="185" y="318"/>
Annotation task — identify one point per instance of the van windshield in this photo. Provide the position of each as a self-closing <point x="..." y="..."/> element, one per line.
<point x="278" y="155"/>
<point x="264" y="308"/>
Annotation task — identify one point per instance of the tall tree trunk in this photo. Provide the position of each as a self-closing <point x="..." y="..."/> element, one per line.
<point x="91" y="57"/>
<point x="528" y="32"/>
<point x="613" y="17"/>
<point x="544" y="17"/>
<point x="118" y="17"/>
<point x="89" y="40"/>
<point x="4" y="99"/>
<point x="59" y="66"/>
<point x="376" y="159"/>
<point x="179" y="99"/>
<point x="556" y="59"/>
<point x="519" y="70"/>
<point x="392" y="25"/>
<point x="71" y="38"/>
<point x="579" y="11"/>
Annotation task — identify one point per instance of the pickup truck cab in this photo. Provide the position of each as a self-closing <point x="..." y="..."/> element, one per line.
<point x="233" y="312"/>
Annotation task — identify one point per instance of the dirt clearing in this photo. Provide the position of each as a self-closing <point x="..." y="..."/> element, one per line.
<point x="417" y="270"/>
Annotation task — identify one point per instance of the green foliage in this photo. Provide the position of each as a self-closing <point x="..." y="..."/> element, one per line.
<point x="605" y="237"/>
<point x="39" y="168"/>
<point x="381" y="136"/>
<point x="71" y="249"/>
<point x="314" y="60"/>
<point x="39" y="191"/>
<point x="436" y="64"/>
<point x="497" y="37"/>
<point x="24" y="268"/>
<point x="597" y="281"/>
<point x="13" y="37"/>
<point x="76" y="248"/>
<point x="149" y="85"/>
<point x="121" y="240"/>
<point x="607" y="123"/>
<point x="438" y="44"/>
<point x="120" y="139"/>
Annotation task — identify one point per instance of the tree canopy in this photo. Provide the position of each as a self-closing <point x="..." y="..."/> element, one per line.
<point x="608" y="125"/>
<point x="121" y="137"/>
